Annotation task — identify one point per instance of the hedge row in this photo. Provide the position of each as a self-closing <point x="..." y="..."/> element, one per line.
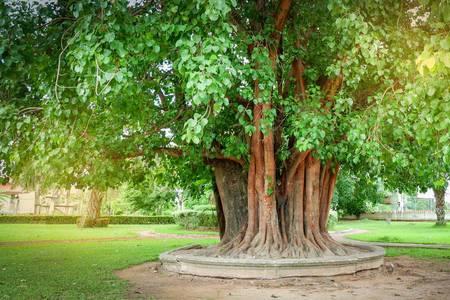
<point x="27" y="219"/>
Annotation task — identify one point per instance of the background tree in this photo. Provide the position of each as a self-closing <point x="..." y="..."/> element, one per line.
<point x="417" y="155"/>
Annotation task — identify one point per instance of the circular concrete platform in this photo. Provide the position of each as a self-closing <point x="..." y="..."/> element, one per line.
<point x="188" y="260"/>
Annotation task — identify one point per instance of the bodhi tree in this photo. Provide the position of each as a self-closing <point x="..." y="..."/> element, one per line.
<point x="274" y="95"/>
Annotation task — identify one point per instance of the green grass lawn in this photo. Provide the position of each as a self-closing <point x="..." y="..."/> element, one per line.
<point x="439" y="254"/>
<point x="85" y="270"/>
<point x="39" y="232"/>
<point x="78" y="270"/>
<point x="75" y="270"/>
<point x="398" y="232"/>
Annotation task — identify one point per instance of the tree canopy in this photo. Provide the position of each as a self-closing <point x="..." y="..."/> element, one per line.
<point x="281" y="88"/>
<point x="109" y="79"/>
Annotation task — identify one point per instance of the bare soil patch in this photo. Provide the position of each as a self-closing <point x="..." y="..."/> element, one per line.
<point x="400" y="278"/>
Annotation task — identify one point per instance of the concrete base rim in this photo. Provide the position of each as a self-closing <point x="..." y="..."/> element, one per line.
<point x="183" y="261"/>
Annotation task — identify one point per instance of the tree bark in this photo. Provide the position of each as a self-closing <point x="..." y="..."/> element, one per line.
<point x="93" y="210"/>
<point x="231" y="197"/>
<point x="37" y="199"/>
<point x="439" y="195"/>
<point x="219" y="211"/>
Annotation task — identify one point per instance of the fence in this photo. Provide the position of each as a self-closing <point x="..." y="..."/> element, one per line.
<point x="408" y="215"/>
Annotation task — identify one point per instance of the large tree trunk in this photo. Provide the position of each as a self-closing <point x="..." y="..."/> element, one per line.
<point x="291" y="219"/>
<point x="288" y="202"/>
<point x="93" y="209"/>
<point x="439" y="195"/>
<point x="231" y="197"/>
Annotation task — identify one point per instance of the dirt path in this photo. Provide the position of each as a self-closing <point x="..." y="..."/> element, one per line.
<point x="401" y="278"/>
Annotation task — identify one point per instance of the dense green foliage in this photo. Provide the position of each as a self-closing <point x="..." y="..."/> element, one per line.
<point x="355" y="195"/>
<point x="29" y="219"/>
<point x="149" y="198"/>
<point x="417" y="135"/>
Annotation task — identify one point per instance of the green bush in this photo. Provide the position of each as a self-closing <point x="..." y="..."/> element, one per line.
<point x="332" y="219"/>
<point x="355" y="194"/>
<point x="201" y="216"/>
<point x="203" y="207"/>
<point x="26" y="219"/>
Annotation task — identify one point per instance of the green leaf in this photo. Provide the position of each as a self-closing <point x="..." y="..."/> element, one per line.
<point x="429" y="62"/>
<point x="109" y="37"/>
<point x="446" y="59"/>
<point x="445" y="43"/>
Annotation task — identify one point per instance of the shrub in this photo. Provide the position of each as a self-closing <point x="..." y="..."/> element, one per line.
<point x="332" y="219"/>
<point x="355" y="194"/>
<point x="201" y="216"/>
<point x="27" y="219"/>
<point x="203" y="207"/>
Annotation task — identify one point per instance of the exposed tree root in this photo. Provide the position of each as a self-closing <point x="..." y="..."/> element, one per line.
<point x="296" y="226"/>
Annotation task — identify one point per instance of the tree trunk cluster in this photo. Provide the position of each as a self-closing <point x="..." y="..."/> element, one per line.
<point x="287" y="219"/>
<point x="287" y="205"/>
